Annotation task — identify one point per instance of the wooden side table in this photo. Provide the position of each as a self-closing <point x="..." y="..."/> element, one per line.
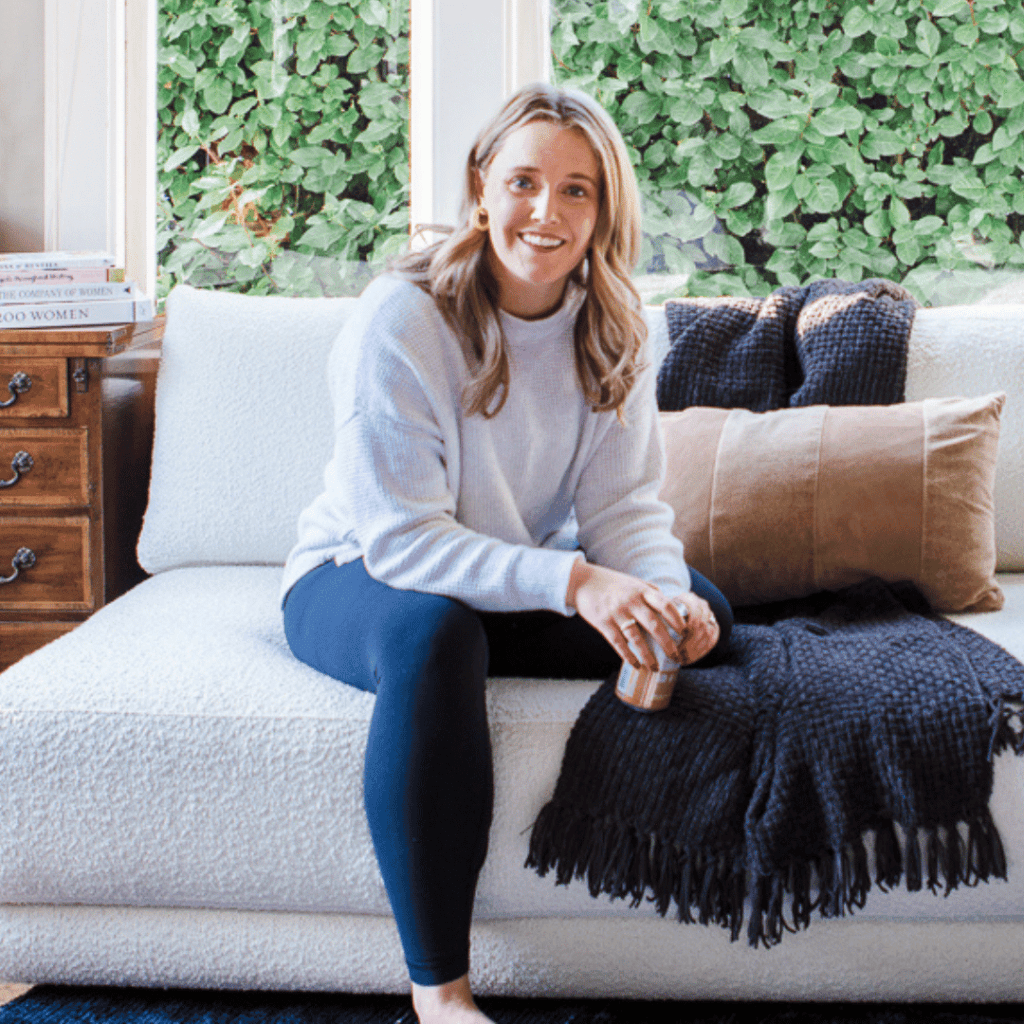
<point x="76" y="421"/>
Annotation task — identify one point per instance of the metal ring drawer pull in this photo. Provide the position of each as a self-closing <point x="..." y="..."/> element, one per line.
<point x="24" y="558"/>
<point x="17" y="385"/>
<point x="21" y="463"/>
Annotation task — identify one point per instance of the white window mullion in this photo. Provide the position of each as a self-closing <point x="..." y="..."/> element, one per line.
<point x="527" y="43"/>
<point x="140" y="143"/>
<point x="465" y="60"/>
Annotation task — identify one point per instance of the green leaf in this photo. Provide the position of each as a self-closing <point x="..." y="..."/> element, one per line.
<point x="693" y="224"/>
<point x="966" y="35"/>
<point x="825" y="250"/>
<point x="824" y="196"/>
<point x="995" y="23"/>
<point x="321" y="235"/>
<point x="909" y="252"/>
<point x="210" y="226"/>
<point x="217" y="96"/>
<point x="722" y="50"/>
<point x="877" y="224"/>
<point x="190" y="121"/>
<point x="179" y="64"/>
<point x="882" y="142"/>
<point x="775" y="104"/>
<point x="600" y="31"/>
<point x="373" y="12"/>
<point x="951" y="126"/>
<point x="241" y="107"/>
<point x="234" y="45"/>
<point x="928" y="37"/>
<point x="309" y="156"/>
<point x="778" y="133"/>
<point x="364" y="58"/>
<point x="642" y="107"/>
<point x="780" y="204"/>
<point x="737" y="194"/>
<point x="780" y="171"/>
<point x="928" y="225"/>
<point x="281" y="133"/>
<point x="377" y="131"/>
<point x="837" y="120"/>
<point x="180" y="156"/>
<point x="1011" y="95"/>
<point x="686" y="111"/>
<point x="857" y="22"/>
<point x="984" y="155"/>
<point x="725" y="146"/>
<point x="751" y="69"/>
<point x="701" y="169"/>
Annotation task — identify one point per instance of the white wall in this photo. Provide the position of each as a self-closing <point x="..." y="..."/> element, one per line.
<point x="62" y="125"/>
<point x="22" y="119"/>
<point x="84" y="162"/>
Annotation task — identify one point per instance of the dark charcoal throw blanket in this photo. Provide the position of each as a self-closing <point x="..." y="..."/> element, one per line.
<point x="831" y="719"/>
<point x="827" y="343"/>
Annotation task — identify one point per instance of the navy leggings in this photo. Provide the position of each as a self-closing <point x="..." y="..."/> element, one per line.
<point x="427" y="783"/>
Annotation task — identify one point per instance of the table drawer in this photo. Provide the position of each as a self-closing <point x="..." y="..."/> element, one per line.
<point x="44" y="467"/>
<point x="46" y="563"/>
<point x="33" y="386"/>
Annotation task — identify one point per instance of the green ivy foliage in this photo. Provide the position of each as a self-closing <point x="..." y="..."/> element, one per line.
<point x="283" y="143"/>
<point x="787" y="140"/>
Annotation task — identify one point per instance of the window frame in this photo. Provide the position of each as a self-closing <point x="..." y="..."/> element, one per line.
<point x="478" y="52"/>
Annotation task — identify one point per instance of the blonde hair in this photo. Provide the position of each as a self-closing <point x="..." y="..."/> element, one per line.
<point x="610" y="329"/>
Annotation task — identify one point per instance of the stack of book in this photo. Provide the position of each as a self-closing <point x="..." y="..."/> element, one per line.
<point x="67" y="289"/>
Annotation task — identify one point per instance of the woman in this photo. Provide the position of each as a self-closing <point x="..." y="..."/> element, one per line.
<point x="491" y="506"/>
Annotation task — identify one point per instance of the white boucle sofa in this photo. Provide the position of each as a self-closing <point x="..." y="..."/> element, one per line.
<point x="182" y="798"/>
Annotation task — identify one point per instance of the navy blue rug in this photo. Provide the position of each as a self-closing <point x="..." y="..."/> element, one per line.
<point x="52" y="1004"/>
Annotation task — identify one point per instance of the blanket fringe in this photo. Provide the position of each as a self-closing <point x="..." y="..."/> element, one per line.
<point x="714" y="887"/>
<point x="1007" y="723"/>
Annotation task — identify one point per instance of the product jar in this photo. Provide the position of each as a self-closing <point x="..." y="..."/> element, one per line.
<point x="649" y="689"/>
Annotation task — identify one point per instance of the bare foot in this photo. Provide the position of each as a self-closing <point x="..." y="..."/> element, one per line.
<point x="451" y="1003"/>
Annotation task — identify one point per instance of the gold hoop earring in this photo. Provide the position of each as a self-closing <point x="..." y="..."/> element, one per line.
<point x="480" y="219"/>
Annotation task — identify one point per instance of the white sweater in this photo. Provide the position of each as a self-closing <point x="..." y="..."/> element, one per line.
<point x="492" y="512"/>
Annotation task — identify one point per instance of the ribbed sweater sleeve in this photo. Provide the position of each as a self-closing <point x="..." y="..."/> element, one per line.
<point x="623" y="524"/>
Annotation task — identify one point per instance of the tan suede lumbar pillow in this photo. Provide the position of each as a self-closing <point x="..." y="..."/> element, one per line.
<point x="782" y="504"/>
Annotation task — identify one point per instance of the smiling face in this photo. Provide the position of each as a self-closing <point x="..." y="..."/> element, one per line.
<point x="542" y="194"/>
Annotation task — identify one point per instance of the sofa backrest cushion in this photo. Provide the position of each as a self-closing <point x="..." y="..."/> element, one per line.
<point x="244" y="420"/>
<point x="243" y="426"/>
<point x="971" y="351"/>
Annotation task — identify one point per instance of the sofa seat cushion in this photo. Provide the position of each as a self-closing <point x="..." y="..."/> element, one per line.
<point x="171" y="752"/>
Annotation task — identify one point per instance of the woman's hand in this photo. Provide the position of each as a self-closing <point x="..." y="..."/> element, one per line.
<point x="702" y="629"/>
<point x="623" y="608"/>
